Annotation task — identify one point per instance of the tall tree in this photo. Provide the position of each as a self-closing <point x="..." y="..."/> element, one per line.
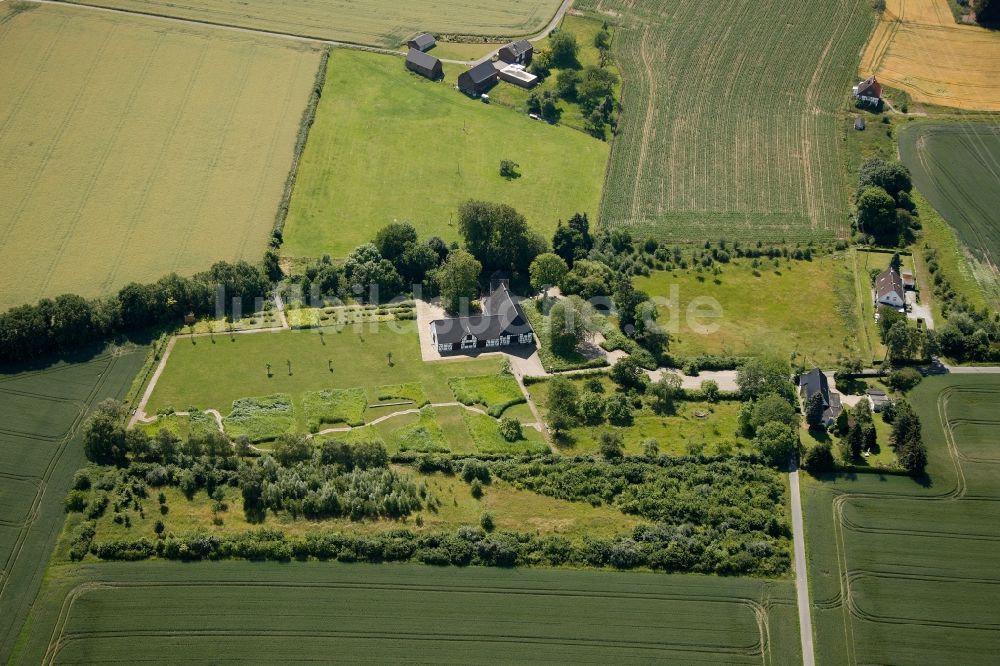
<point x="877" y="214"/>
<point x="393" y="239"/>
<point x="814" y="410"/>
<point x="562" y="405"/>
<point x="457" y="279"/>
<point x="547" y="270"/>
<point x="498" y="236"/>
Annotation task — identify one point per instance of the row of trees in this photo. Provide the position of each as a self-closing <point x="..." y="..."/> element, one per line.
<point x="70" y="322"/>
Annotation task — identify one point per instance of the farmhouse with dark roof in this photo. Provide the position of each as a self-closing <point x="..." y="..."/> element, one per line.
<point x="869" y="91"/>
<point x="501" y="324"/>
<point x="889" y="289"/>
<point x="422" y="42"/>
<point x="814" y="382"/>
<point x="424" y="65"/>
<point x="517" y="53"/>
<point x="478" y="80"/>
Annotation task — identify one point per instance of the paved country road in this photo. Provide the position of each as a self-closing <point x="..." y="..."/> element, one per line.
<point x="801" y="579"/>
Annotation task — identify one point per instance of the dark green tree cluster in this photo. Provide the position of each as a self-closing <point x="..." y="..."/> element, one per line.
<point x="68" y="323"/>
<point x="907" y="439"/>
<point x="987" y="11"/>
<point x="860" y="435"/>
<point x="769" y="414"/>
<point x="572" y="240"/>
<point x="498" y="236"/>
<point x="885" y="210"/>
<point x="969" y="333"/>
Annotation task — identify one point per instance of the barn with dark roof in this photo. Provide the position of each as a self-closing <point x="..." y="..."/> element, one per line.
<point x="422" y="42"/>
<point x="478" y="80"/>
<point x="424" y="65"/>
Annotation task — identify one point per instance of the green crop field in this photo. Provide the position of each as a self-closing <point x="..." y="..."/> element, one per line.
<point x="803" y="308"/>
<point x="40" y="412"/>
<point x="294" y="613"/>
<point x="905" y="571"/>
<point x="956" y="166"/>
<point x="373" y="22"/>
<point x="388" y="145"/>
<point x="132" y="149"/>
<point x="729" y="126"/>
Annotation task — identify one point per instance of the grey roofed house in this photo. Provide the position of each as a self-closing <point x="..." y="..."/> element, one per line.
<point x="422" y="42"/>
<point x="479" y="79"/>
<point x="815" y="381"/>
<point x="519" y="52"/>
<point x="423" y="64"/>
<point x="501" y="324"/>
<point x="877" y="399"/>
<point x="889" y="289"/>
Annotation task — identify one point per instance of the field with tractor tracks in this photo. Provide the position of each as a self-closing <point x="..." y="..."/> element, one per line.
<point x="300" y="612"/>
<point x="956" y="167"/>
<point x="131" y="148"/>
<point x="729" y="122"/>
<point x="373" y="22"/>
<point x="918" y="48"/>
<point x="40" y="413"/>
<point x="903" y="570"/>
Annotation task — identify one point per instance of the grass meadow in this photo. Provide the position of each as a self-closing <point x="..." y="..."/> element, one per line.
<point x="729" y="127"/>
<point x="805" y="309"/>
<point x="388" y="145"/>
<point x="40" y="413"/>
<point x="373" y="22"/>
<point x="956" y="167"/>
<point x="300" y="612"/>
<point x="132" y="149"/>
<point x="905" y="569"/>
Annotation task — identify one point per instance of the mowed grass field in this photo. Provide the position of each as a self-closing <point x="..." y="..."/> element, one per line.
<point x="40" y="413"/>
<point x="803" y="308"/>
<point x="375" y="22"/>
<point x="919" y="48"/>
<point x="210" y="374"/>
<point x="729" y="125"/>
<point x="131" y="148"/>
<point x="299" y="612"/>
<point x="389" y="145"/>
<point x="904" y="570"/>
<point x="956" y="167"/>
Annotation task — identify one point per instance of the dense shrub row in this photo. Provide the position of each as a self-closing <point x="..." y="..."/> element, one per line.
<point x="660" y="547"/>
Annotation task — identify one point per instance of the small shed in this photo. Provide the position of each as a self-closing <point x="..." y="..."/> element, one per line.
<point x="877" y="399"/>
<point x="478" y="80"/>
<point x="859" y="123"/>
<point x="517" y="53"/>
<point x="424" y="65"/>
<point x="422" y="42"/>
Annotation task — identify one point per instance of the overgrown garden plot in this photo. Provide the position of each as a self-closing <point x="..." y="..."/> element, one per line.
<point x="40" y="412"/>
<point x="363" y="612"/>
<point x="359" y="21"/>
<point x="903" y="570"/>
<point x="388" y="145"/>
<point x="134" y="148"/>
<point x="956" y="166"/>
<point x="729" y="123"/>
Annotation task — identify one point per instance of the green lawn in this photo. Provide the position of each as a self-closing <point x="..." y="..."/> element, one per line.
<point x="389" y="145"/>
<point x="801" y="308"/>
<point x="210" y="374"/>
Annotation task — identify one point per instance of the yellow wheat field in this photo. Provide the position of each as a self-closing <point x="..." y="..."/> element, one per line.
<point x="918" y="47"/>
<point x="129" y="149"/>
